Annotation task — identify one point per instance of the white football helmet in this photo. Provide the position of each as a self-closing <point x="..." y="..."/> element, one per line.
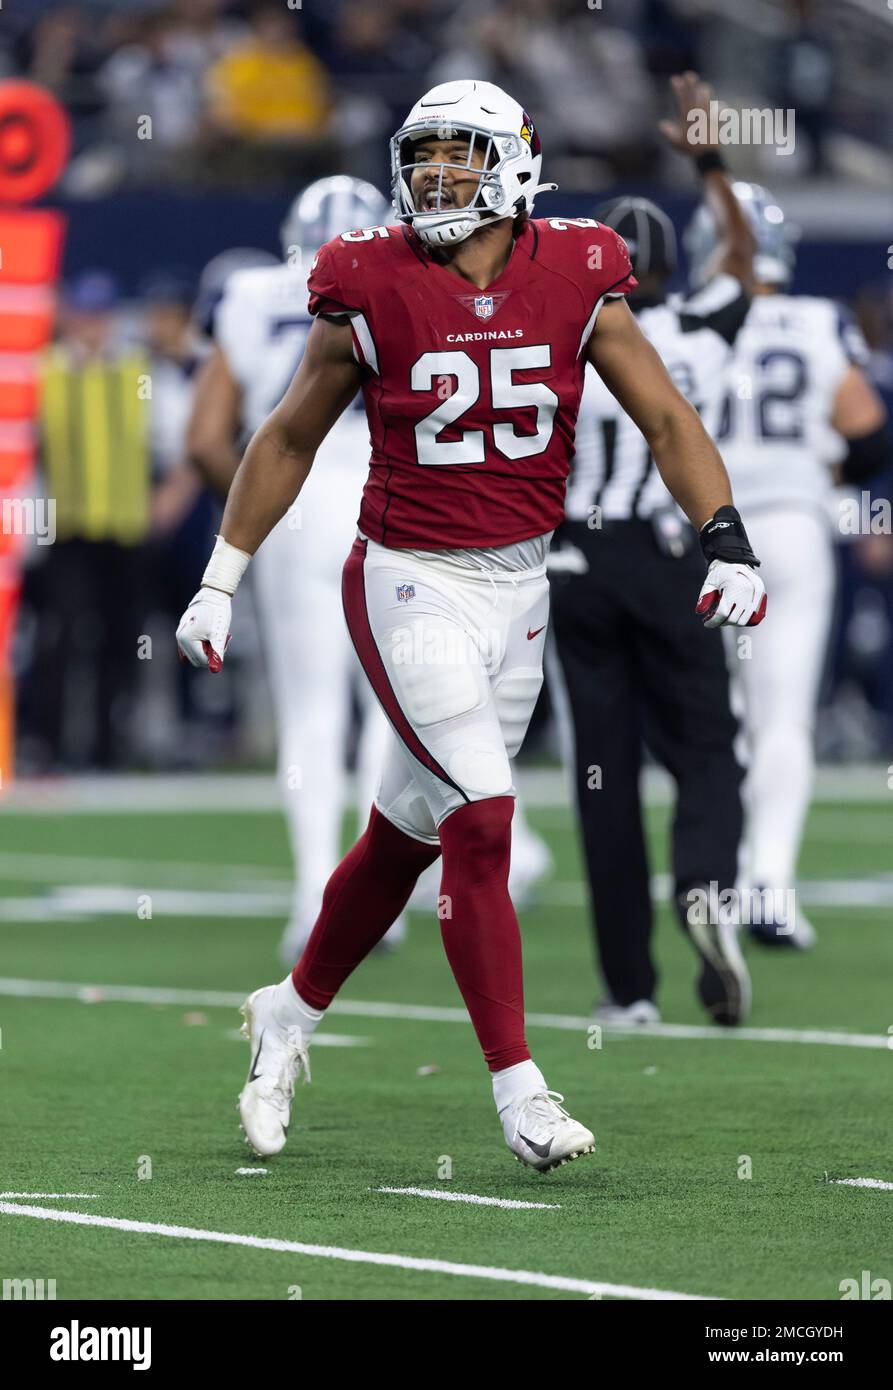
<point x="775" y="237"/>
<point x="329" y="207"/>
<point x="495" y="126"/>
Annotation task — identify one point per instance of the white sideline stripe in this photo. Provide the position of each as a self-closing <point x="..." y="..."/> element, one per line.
<point x="874" y="891"/>
<point x="46" y="1196"/>
<point x="469" y="1197"/>
<point x="272" y="899"/>
<point x="864" y="1182"/>
<point x="257" y="792"/>
<point x="433" y="1013"/>
<point x="366" y="1257"/>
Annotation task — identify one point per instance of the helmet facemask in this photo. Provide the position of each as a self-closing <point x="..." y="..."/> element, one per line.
<point x="490" y="156"/>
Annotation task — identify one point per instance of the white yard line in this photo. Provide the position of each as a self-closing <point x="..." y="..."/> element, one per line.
<point x="243" y="793"/>
<point x="863" y="1182"/>
<point x="872" y="891"/>
<point x="367" y="1257"/>
<point x="46" y="1196"/>
<point x="431" y="1013"/>
<point x="470" y="1197"/>
<point x="272" y="898"/>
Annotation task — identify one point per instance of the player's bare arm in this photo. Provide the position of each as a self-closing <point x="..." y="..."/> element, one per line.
<point x="687" y="458"/>
<point x="859" y="415"/>
<point x="280" y="455"/>
<point x="736" y="243"/>
<point x="269" y="478"/>
<point x="214" y="423"/>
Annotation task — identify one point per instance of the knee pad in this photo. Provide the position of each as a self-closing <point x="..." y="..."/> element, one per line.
<point x="480" y="769"/>
<point x="435" y="671"/>
<point x="515" y="694"/>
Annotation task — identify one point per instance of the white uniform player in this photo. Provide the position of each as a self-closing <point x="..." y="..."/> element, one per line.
<point x="793" y="390"/>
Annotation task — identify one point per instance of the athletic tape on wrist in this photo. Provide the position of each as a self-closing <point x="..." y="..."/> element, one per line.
<point x="225" y="567"/>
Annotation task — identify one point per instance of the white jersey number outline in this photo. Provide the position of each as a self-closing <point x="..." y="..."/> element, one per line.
<point x="505" y="393"/>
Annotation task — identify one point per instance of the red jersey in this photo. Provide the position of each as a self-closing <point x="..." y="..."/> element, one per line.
<point x="471" y="395"/>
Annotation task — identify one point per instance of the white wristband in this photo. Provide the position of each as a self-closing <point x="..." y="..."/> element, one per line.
<point x="225" y="567"/>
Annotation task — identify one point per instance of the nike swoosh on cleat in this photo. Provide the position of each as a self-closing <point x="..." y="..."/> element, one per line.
<point x="535" y="633"/>
<point x="252" y="1075"/>
<point x="542" y="1149"/>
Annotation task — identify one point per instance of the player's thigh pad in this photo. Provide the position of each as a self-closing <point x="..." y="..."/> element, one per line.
<point x="515" y="694"/>
<point x="517" y="682"/>
<point x="437" y="673"/>
<point x="434" y="668"/>
<point x="444" y="690"/>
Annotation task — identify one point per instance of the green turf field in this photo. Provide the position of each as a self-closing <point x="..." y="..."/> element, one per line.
<point x="100" y="1092"/>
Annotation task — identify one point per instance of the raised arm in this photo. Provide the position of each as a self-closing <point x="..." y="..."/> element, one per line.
<point x="689" y="135"/>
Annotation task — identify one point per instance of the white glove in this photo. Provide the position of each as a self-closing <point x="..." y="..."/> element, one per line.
<point x="733" y="595"/>
<point x="203" y="634"/>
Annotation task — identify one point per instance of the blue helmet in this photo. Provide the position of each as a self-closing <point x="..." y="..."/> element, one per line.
<point x="327" y="208"/>
<point x="775" y="237"/>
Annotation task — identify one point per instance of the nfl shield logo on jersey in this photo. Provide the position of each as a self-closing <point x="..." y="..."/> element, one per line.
<point x="483" y="306"/>
<point x="405" y="592"/>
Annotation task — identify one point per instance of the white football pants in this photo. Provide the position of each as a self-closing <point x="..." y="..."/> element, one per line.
<point x="455" y="657"/>
<point x="779" y="681"/>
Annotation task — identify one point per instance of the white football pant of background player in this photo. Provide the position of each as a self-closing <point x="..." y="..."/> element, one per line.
<point x="779" y="673"/>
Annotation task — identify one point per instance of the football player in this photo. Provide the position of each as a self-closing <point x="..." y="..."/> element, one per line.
<point x="259" y="322"/>
<point x="468" y="326"/>
<point x="796" y="402"/>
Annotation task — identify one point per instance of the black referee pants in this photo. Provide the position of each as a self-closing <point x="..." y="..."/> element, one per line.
<point x="638" y="664"/>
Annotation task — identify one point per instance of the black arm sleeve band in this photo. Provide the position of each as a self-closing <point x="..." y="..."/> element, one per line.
<point x="868" y="454"/>
<point x="708" y="161"/>
<point x="723" y="537"/>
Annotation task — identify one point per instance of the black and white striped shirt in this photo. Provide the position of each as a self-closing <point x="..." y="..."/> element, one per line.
<point x="613" y="469"/>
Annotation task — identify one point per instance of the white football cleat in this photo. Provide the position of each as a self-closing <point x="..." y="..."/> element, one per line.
<point x="543" y="1135"/>
<point x="277" y="1056"/>
<point x="612" y="1015"/>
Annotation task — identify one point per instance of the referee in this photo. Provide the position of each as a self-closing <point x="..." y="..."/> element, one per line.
<point x="636" y="662"/>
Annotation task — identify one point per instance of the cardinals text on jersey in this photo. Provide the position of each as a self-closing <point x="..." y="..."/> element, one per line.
<point x="471" y="395"/>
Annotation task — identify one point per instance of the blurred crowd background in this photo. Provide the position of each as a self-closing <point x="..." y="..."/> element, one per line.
<point x="196" y="122"/>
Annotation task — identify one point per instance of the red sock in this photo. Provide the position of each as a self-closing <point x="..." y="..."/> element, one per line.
<point x="365" y="895"/>
<point x="479" y="927"/>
